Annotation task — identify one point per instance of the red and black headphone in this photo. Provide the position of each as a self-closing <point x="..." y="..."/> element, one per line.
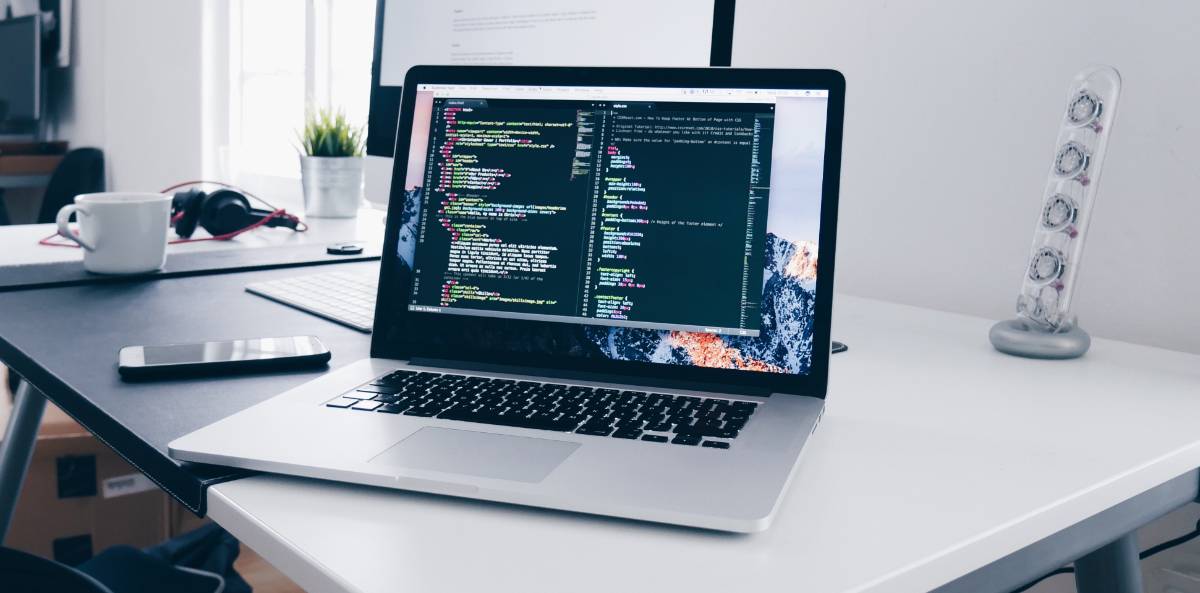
<point x="224" y="213"/>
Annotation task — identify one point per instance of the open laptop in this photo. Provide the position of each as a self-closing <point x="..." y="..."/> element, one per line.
<point x="600" y="293"/>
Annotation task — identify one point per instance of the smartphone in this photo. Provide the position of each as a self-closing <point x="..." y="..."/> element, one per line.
<point x="213" y="358"/>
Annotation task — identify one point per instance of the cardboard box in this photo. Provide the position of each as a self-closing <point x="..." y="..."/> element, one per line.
<point x="180" y="520"/>
<point x="80" y="497"/>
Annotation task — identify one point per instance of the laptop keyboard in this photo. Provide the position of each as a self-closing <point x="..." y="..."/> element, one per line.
<point x="651" y="417"/>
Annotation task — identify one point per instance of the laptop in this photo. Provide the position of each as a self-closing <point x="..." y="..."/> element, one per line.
<point x="600" y="293"/>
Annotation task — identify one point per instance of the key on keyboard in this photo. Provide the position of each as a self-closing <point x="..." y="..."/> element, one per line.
<point x="342" y="297"/>
<point x="636" y="415"/>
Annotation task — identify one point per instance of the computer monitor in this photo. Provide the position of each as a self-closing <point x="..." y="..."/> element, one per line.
<point x="530" y="33"/>
<point x="20" y="75"/>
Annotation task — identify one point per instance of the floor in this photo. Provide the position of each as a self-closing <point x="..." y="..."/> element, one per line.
<point x="261" y="575"/>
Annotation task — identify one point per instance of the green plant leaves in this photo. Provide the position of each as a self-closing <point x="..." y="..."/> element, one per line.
<point x="328" y="133"/>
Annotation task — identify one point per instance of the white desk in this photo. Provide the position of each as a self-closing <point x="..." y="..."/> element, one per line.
<point x="19" y="243"/>
<point x="937" y="457"/>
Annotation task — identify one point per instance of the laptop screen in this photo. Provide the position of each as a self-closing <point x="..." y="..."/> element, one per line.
<point x="676" y="226"/>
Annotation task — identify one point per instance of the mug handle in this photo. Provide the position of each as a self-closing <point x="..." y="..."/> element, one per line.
<point x="64" y="231"/>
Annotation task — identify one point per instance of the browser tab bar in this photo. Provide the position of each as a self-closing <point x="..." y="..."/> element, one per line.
<point x="619" y="93"/>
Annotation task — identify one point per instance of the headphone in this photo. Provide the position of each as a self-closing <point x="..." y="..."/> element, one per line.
<point x="224" y="212"/>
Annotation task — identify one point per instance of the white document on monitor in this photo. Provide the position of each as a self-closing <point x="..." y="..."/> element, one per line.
<point x="544" y="33"/>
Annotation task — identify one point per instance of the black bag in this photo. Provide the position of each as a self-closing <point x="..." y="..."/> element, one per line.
<point x="200" y="561"/>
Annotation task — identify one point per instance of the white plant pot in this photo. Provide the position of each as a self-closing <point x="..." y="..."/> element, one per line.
<point x="333" y="186"/>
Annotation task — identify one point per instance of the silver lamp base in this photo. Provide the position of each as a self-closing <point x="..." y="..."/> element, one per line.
<point x="1016" y="337"/>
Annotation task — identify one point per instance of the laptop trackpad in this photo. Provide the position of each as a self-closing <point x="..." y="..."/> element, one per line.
<point x="482" y="454"/>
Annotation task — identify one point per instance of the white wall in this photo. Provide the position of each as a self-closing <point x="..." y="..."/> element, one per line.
<point x="135" y="90"/>
<point x="952" y="111"/>
<point x="951" y="117"/>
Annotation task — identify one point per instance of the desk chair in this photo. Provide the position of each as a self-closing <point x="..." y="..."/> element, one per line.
<point x="80" y="172"/>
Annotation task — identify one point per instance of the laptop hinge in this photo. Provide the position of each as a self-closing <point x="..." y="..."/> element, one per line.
<point x="564" y="374"/>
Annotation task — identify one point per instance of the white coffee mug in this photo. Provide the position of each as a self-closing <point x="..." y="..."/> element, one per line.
<point x="120" y="232"/>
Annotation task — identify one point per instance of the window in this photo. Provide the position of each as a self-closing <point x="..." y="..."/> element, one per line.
<point x="286" y="55"/>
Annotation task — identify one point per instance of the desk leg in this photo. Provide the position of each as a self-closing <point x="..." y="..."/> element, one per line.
<point x="4" y="218"/>
<point x="1114" y="568"/>
<point x="17" y="448"/>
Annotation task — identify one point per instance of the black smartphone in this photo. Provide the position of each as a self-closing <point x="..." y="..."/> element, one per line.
<point x="213" y="358"/>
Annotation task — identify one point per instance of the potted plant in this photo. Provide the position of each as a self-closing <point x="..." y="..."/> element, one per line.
<point x="331" y="165"/>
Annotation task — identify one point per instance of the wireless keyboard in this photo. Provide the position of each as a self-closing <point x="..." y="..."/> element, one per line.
<point x="342" y="297"/>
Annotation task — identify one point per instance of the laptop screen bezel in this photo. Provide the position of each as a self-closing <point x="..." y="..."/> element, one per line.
<point x="390" y="340"/>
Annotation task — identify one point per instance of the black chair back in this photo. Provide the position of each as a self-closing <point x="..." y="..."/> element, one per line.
<point x="80" y="172"/>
